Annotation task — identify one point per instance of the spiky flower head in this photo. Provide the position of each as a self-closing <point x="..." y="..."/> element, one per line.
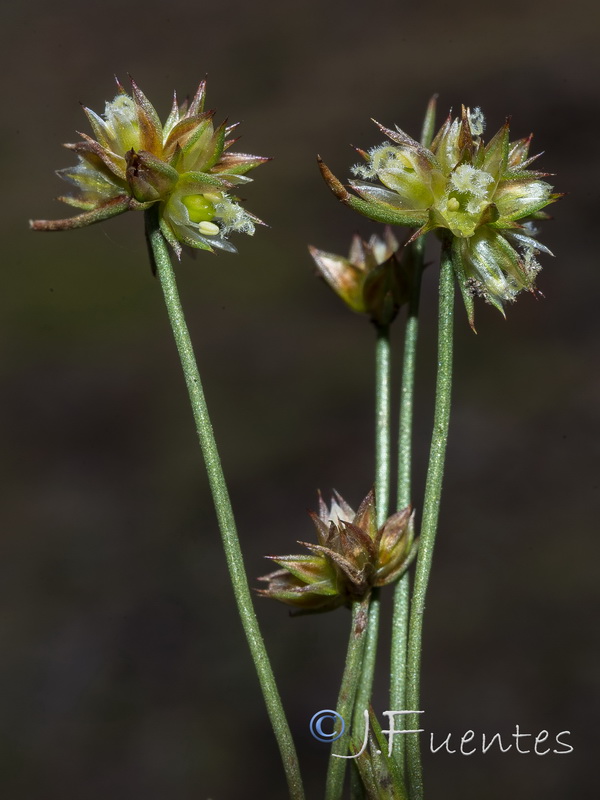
<point x="184" y="166"/>
<point x="351" y="557"/>
<point x="484" y="195"/>
<point x="371" y="280"/>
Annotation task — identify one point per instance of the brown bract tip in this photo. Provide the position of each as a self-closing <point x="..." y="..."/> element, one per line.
<point x="334" y="184"/>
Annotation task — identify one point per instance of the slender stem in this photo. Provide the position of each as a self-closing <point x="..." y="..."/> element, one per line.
<point x="399" y="651"/>
<point x="407" y="388"/>
<point x="401" y="611"/>
<point x="382" y="423"/>
<point x="347" y="696"/>
<point x="402" y="591"/>
<point x="382" y="497"/>
<point x="365" y="688"/>
<point x="431" y="507"/>
<point x="233" y="553"/>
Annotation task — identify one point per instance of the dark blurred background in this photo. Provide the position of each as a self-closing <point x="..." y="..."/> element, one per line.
<point x="124" y="672"/>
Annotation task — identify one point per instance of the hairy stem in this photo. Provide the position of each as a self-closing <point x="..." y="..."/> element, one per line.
<point x="382" y="423"/>
<point x="231" y="545"/>
<point x="382" y="496"/>
<point x="431" y="507"/>
<point x="402" y="591"/>
<point x="347" y="697"/>
<point x="401" y="612"/>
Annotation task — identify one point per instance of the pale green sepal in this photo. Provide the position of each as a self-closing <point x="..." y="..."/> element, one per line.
<point x="516" y="199"/>
<point x="187" y="130"/>
<point x="512" y="264"/>
<point x="496" y="153"/>
<point x="399" y="137"/>
<point x="173" y="117"/>
<point x="428" y="128"/>
<point x="197" y="104"/>
<point x="345" y="278"/>
<point x="94" y="187"/>
<point x="463" y="282"/>
<point x="113" y="162"/>
<point x="385" y="214"/>
<point x="347" y="567"/>
<point x="239" y="163"/>
<point x="195" y="142"/>
<point x="99" y="127"/>
<point x="77" y="202"/>
<point x="233" y="178"/>
<point x="494" y="301"/>
<point x="399" y="571"/>
<point x="217" y="143"/>
<point x="197" y="244"/>
<point x="150" y="125"/>
<point x="307" y="568"/>
<point x="158" y="165"/>
<point x="195" y="180"/>
<point x="380" y="195"/>
<point x="527" y="242"/>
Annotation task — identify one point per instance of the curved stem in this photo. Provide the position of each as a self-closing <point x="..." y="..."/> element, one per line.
<point x="161" y="260"/>
<point x="347" y="697"/>
<point x="402" y="591"/>
<point x="431" y="506"/>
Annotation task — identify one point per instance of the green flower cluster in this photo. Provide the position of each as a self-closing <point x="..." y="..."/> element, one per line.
<point x="484" y="195"/>
<point x="184" y="165"/>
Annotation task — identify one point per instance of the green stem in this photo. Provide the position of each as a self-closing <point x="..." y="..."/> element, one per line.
<point x="233" y="553"/>
<point x="382" y="497"/>
<point x="347" y="697"/>
<point x="431" y="507"/>
<point x="382" y="423"/>
<point x="401" y="610"/>
<point x="402" y="591"/>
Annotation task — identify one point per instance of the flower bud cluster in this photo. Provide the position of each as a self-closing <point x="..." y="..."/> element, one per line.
<point x="372" y="280"/>
<point x="351" y="557"/>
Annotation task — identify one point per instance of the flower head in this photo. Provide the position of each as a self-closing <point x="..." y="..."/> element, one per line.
<point x="371" y="280"/>
<point x="184" y="165"/>
<point x="351" y="557"/>
<point x="484" y="195"/>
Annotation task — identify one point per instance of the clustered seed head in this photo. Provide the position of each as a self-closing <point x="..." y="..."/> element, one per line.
<point x="352" y="556"/>
<point x="371" y="280"/>
<point x="484" y="195"/>
<point x="185" y="166"/>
